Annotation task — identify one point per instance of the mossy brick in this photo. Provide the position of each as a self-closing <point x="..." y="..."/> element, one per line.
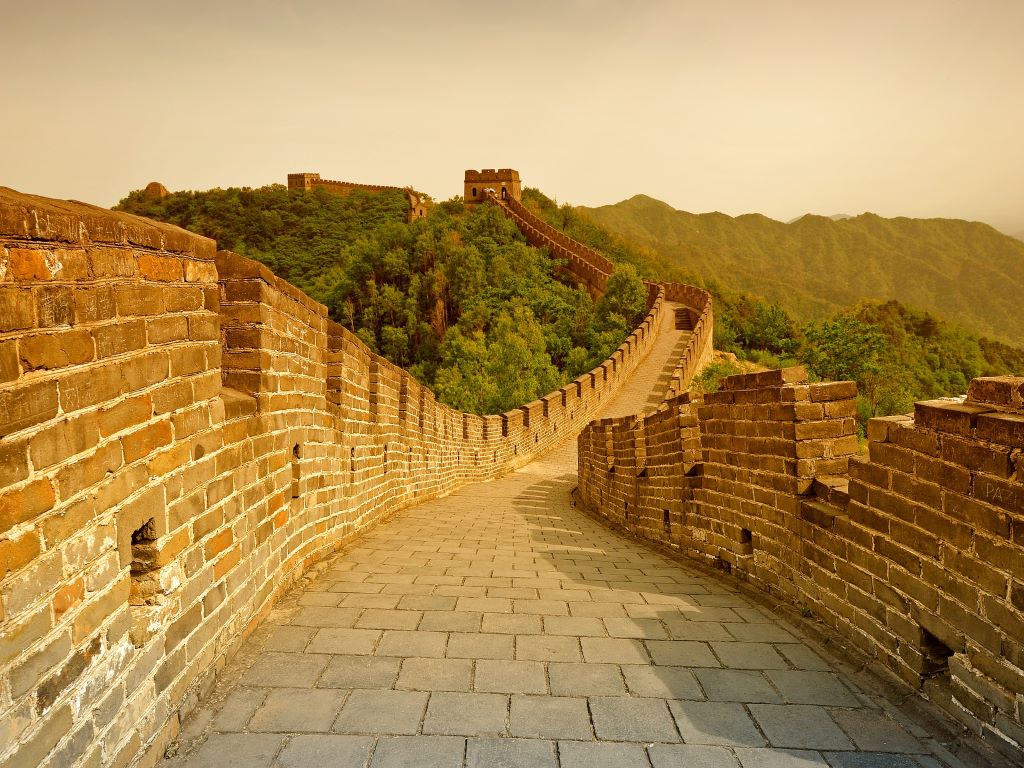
<point x="124" y="414"/>
<point x="25" y="504"/>
<point x="56" y="350"/>
<point x="17" y="309"/>
<point x="26" y="405"/>
<point x="55" y="305"/>
<point x="63" y="440"/>
<point x="120" y="337"/>
<point x="160" y="268"/>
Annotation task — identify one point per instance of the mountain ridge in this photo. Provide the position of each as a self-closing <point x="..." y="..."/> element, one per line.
<point x="814" y="266"/>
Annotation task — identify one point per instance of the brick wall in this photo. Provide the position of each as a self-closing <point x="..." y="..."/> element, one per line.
<point x="913" y="554"/>
<point x="181" y="435"/>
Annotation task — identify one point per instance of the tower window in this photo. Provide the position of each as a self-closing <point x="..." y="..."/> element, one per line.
<point x="474" y="191"/>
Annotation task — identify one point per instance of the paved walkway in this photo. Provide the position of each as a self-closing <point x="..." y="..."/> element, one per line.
<point x="501" y="628"/>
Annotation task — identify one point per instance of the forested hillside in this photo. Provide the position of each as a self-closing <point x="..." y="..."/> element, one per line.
<point x="964" y="272"/>
<point x="458" y="298"/>
<point x="896" y="354"/>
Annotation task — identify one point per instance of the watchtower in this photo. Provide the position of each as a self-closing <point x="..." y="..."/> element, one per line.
<point x="504" y="182"/>
<point x="304" y="181"/>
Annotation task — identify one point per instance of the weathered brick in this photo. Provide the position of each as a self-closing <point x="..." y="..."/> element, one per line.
<point x="125" y="414"/>
<point x="13" y="462"/>
<point x="144" y="441"/>
<point x="120" y="337"/>
<point x="160" y="268"/>
<point x="112" y="262"/>
<point x="24" y="504"/>
<point x="32" y="264"/>
<point x="63" y="440"/>
<point x="9" y="367"/>
<point x="90" y="387"/>
<point x="55" y="305"/>
<point x="17" y="553"/>
<point x="162" y="330"/>
<point x="27" y="405"/>
<point x="17" y="309"/>
<point x="99" y="609"/>
<point x="943" y="416"/>
<point x="56" y="350"/>
<point x="992" y="460"/>
<point x="94" y="304"/>
<point x="89" y="471"/>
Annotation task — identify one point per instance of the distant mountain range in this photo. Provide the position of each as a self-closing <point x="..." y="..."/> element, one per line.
<point x="814" y="266"/>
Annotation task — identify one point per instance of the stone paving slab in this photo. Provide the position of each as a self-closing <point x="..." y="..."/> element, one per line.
<point x="500" y="627"/>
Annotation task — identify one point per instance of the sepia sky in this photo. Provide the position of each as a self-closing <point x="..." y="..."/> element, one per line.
<point x="901" y="107"/>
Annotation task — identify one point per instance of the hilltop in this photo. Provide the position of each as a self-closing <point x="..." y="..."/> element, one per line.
<point x="813" y="267"/>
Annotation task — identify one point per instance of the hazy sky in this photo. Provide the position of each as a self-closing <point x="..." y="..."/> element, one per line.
<point x="777" y="106"/>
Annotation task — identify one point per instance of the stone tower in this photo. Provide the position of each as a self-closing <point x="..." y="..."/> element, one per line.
<point x="504" y="182"/>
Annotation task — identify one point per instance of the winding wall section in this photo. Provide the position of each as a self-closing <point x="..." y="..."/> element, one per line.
<point x="181" y="434"/>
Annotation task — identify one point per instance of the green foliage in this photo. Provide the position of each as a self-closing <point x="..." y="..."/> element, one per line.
<point x="458" y="298"/>
<point x="710" y="377"/>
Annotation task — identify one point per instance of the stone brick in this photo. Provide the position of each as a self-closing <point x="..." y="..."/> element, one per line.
<point x="32" y="264"/>
<point x="162" y="330"/>
<point x="13" y="462"/>
<point x="27" y="405"/>
<point x="9" y="367"/>
<point x="89" y="471"/>
<point x="90" y="387"/>
<point x="125" y="414"/>
<point x="161" y="268"/>
<point x="55" y="685"/>
<point x="25" y="504"/>
<point x="17" y="309"/>
<point x="55" y="305"/>
<point x="17" y="553"/>
<point x="135" y="300"/>
<point x="120" y="337"/>
<point x="99" y="609"/>
<point x="94" y="304"/>
<point x="143" y="442"/>
<point x="64" y="440"/>
<point x="112" y="262"/>
<point x="56" y="350"/>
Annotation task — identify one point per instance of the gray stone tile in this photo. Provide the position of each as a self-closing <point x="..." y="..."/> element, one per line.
<point x="329" y="599"/>
<point x="612" y="650"/>
<point x="760" y="633"/>
<point x="661" y="682"/>
<point x="715" y="722"/>
<point x="510" y="676"/>
<point x="780" y="758"/>
<point x="403" y="643"/>
<point x="484" y="604"/>
<point x="379" y="618"/>
<point x="418" y="752"/>
<point x="347" y="641"/>
<point x="799" y="726"/>
<point x="547" y="648"/>
<point x="436" y="675"/>
<point x="285" y="670"/>
<point x="510" y="753"/>
<point x="321" y="750"/>
<point x="802" y="657"/>
<point x="370" y="601"/>
<point x="550" y="717"/>
<point x="574" y="626"/>
<point x="238" y="708"/>
<point x="511" y="623"/>
<point x="871" y="760"/>
<point x="325" y="616"/>
<point x="480" y="645"/>
<point x="681" y="628"/>
<point x="289" y="638"/>
<point x="585" y="680"/>
<point x="749" y="656"/>
<point x="806" y="687"/>
<point x="237" y="750"/>
<point x="360" y="672"/>
<point x="298" y="710"/>
<point x="681" y="653"/>
<point x="466" y="714"/>
<point x="597" y="609"/>
<point x="744" y="685"/>
<point x="427" y="603"/>
<point x="644" y="629"/>
<point x="382" y="712"/>
<point x="874" y="731"/>
<point x="626" y="719"/>
<point x="690" y="756"/>
<point x="450" y="621"/>
<point x="601" y="754"/>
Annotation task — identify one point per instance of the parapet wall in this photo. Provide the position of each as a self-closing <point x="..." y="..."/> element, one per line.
<point x="181" y="435"/>
<point x="914" y="554"/>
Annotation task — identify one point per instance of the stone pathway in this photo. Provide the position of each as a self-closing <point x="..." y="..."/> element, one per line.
<point x="501" y="628"/>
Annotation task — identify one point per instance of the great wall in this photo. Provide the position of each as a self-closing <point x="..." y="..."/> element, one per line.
<point x="186" y="439"/>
